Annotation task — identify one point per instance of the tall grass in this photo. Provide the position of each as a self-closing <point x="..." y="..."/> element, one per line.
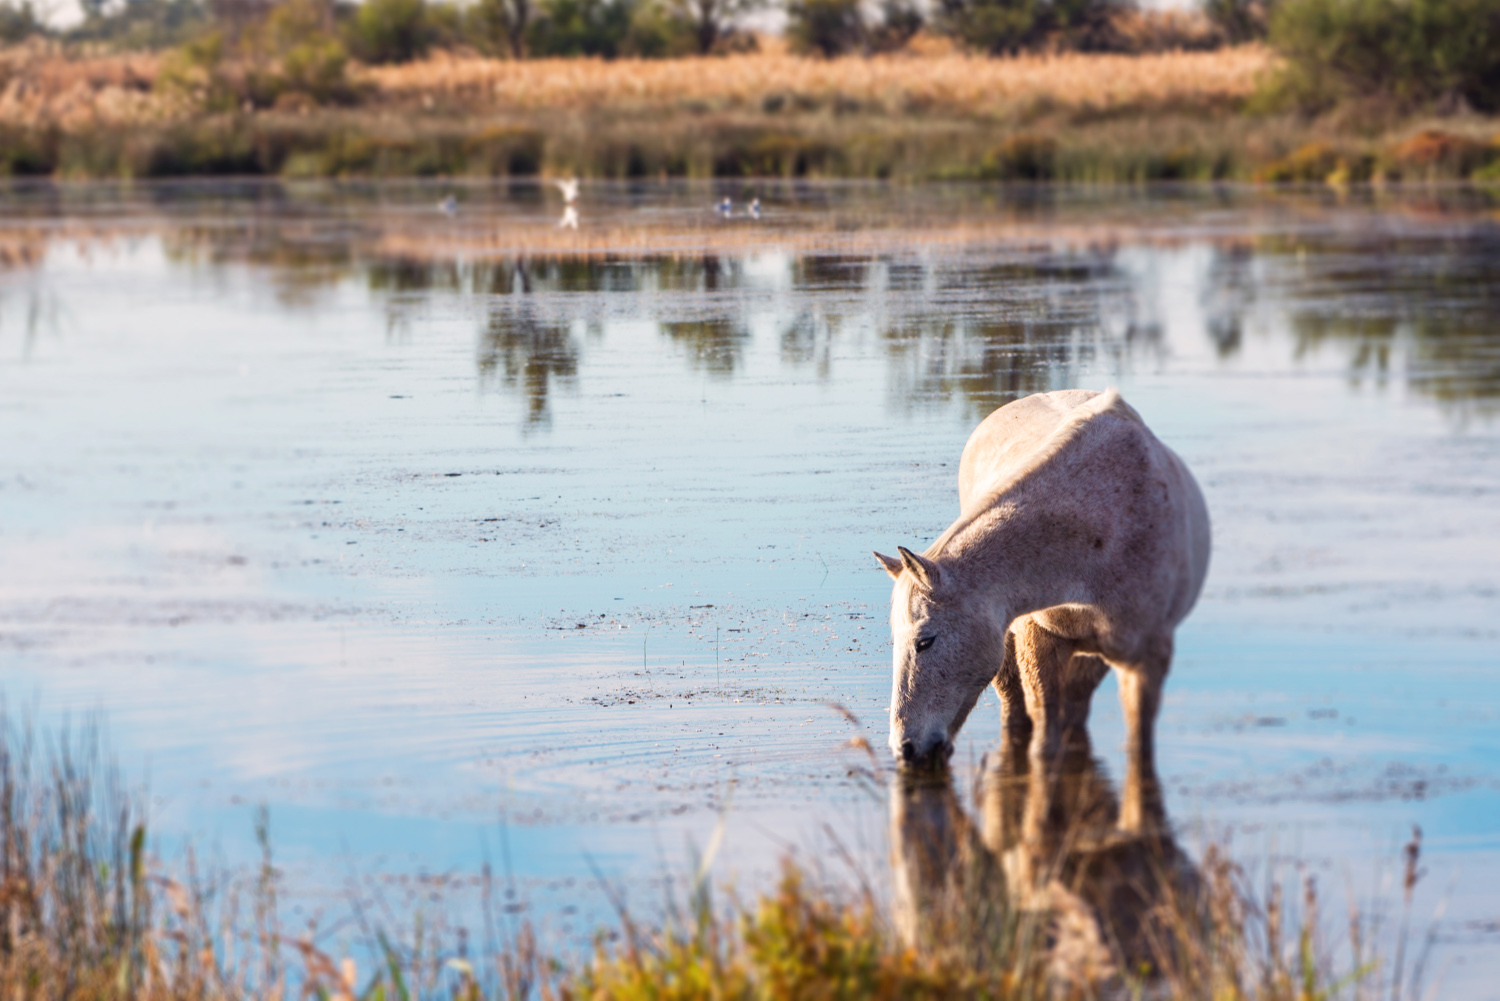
<point x="88" y="912"/>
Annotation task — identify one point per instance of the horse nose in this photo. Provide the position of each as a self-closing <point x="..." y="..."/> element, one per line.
<point x="934" y="755"/>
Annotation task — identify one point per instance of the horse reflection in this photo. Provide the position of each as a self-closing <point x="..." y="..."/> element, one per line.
<point x="1051" y="853"/>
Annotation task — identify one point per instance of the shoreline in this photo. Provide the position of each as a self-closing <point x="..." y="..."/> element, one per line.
<point x="1100" y="119"/>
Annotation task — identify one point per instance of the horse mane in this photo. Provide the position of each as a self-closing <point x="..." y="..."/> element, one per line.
<point x="1067" y="431"/>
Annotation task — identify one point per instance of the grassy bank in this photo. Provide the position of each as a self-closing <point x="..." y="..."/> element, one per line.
<point x="927" y="114"/>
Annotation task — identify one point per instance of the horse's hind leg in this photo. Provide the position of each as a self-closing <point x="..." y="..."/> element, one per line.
<point x="1084" y="673"/>
<point x="1140" y="697"/>
<point x="1013" y="718"/>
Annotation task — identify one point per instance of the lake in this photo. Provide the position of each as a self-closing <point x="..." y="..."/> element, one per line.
<point x="457" y="538"/>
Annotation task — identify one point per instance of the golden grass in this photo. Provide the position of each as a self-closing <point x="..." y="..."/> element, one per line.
<point x="43" y="85"/>
<point x="953" y="82"/>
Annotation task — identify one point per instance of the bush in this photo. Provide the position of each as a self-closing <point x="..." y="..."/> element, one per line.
<point x="141" y="24"/>
<point x="581" y="28"/>
<point x="291" y="56"/>
<point x="499" y="27"/>
<point x="1002" y="27"/>
<point x="18" y="22"/>
<point x="1412" y="51"/>
<point x="1239" y="21"/>
<point x="900" y="20"/>
<point x="658" y="30"/>
<point x="827" y="27"/>
<point x="391" y="31"/>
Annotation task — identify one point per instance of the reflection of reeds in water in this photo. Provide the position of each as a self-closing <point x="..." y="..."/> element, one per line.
<point x="1045" y="898"/>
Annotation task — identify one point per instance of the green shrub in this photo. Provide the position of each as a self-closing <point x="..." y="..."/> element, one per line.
<point x="658" y="30"/>
<point x="1412" y="51"/>
<point x="1003" y="27"/>
<point x="1238" y="21"/>
<point x="899" y="22"/>
<point x="18" y="22"/>
<point x="499" y="27"/>
<point x="581" y="28"/>
<point x="827" y="27"/>
<point x="141" y="24"/>
<point x="392" y="31"/>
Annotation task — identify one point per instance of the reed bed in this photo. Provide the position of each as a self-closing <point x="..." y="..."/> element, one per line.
<point x="953" y="83"/>
<point x="930" y="114"/>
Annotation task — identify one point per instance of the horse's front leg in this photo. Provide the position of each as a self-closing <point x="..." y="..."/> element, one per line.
<point x="1042" y="660"/>
<point x="1013" y="719"/>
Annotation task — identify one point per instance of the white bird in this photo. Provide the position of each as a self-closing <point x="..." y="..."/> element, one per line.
<point x="755" y="208"/>
<point x="726" y="208"/>
<point x="569" y="218"/>
<point x="448" y="206"/>
<point x="569" y="189"/>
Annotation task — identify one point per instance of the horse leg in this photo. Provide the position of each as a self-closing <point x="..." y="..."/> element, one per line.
<point x="1084" y="672"/>
<point x="1013" y="718"/>
<point x="1140" y="698"/>
<point x="1042" y="659"/>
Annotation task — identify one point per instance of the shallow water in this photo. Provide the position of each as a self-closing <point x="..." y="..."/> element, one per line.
<point x="466" y="538"/>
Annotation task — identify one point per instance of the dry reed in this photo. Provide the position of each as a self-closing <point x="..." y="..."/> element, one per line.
<point x="952" y="83"/>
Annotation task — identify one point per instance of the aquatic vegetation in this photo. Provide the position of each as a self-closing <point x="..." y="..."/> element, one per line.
<point x="286" y="100"/>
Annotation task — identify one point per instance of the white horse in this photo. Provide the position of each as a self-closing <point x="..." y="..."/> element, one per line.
<point x="1083" y="541"/>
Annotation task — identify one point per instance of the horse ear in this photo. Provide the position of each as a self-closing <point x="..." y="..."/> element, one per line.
<point x="892" y="565"/>
<point x="924" y="570"/>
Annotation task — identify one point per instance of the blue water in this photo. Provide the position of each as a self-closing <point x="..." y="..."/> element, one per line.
<point x="308" y="492"/>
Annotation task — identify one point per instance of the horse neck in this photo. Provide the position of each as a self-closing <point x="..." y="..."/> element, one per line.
<point x="1019" y="556"/>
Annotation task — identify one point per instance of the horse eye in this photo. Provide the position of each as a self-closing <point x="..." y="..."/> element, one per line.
<point x="925" y="642"/>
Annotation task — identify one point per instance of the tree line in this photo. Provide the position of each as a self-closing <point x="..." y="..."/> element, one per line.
<point x="385" y="31"/>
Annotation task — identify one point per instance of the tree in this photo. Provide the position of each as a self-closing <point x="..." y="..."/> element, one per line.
<point x="18" y="22"/>
<point x="580" y="28"/>
<point x="391" y="31"/>
<point x="502" y="25"/>
<point x="829" y="27"/>
<point x="1001" y="27"/>
<point x="712" y="20"/>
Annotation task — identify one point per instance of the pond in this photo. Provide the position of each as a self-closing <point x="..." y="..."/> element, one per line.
<point x="458" y="537"/>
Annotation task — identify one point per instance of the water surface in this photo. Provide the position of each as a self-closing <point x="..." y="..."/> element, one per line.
<point x="465" y="538"/>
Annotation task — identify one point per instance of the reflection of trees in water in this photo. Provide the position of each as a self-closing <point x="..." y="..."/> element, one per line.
<point x="1227" y="296"/>
<point x="715" y="345"/>
<point x="808" y="340"/>
<point x="1451" y="356"/>
<point x="1424" y="311"/>
<point x="1058" y="316"/>
<point x="303" y="259"/>
<point x="527" y="353"/>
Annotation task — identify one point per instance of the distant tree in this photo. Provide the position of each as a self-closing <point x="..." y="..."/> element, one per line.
<point x="827" y="27"/>
<point x="391" y="31"/>
<point x="1007" y="26"/>
<point x="900" y="20"/>
<point x="501" y="25"/>
<point x="18" y="22"/>
<point x="712" y="20"/>
<point x="580" y="28"/>
<point x="141" y="24"/>
<point x="1238" y="21"/>
<point x="1408" y="51"/>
